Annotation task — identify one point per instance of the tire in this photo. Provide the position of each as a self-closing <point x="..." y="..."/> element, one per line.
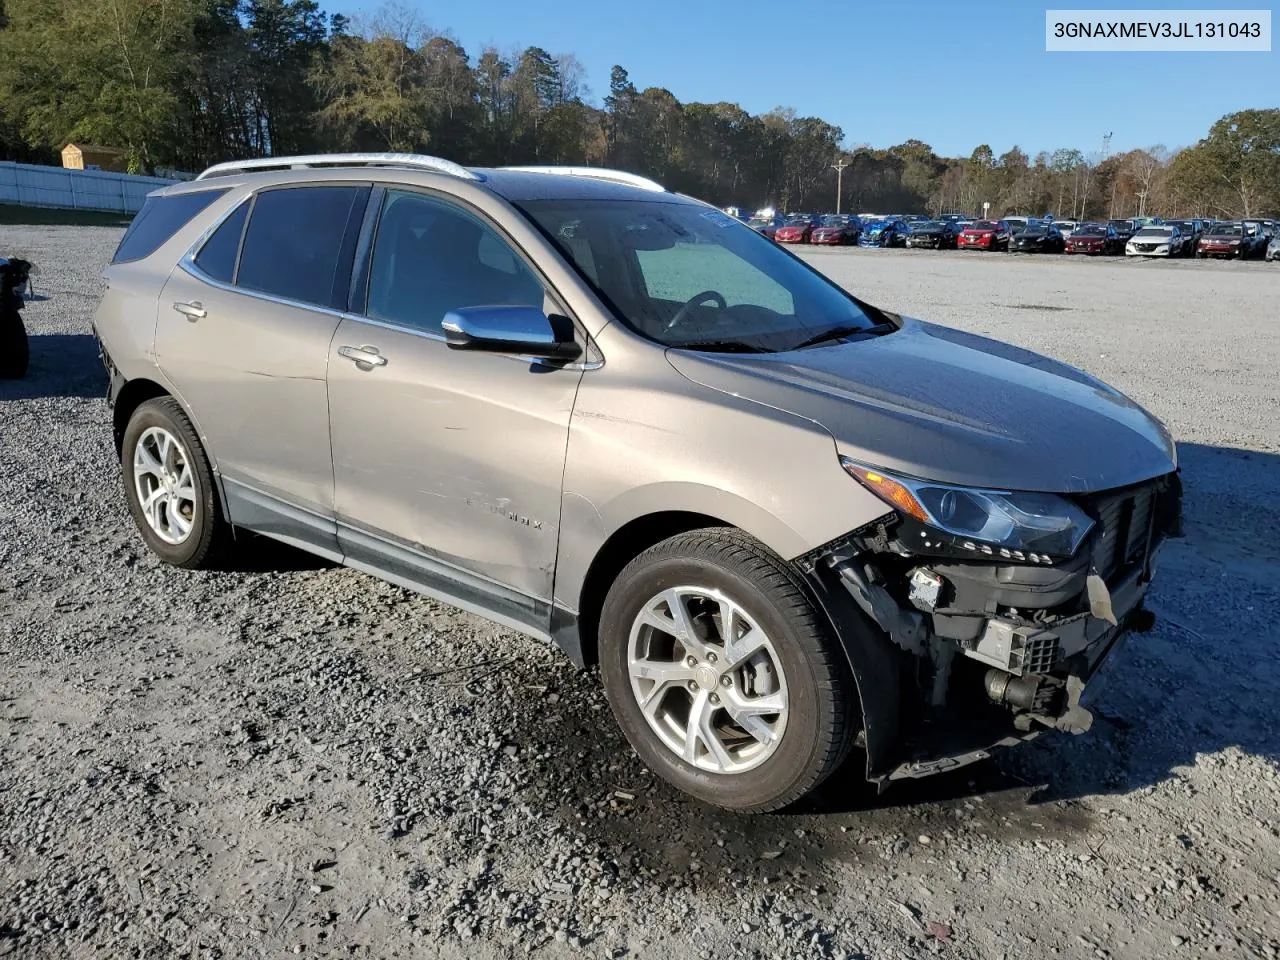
<point x="15" y="349"/>
<point x="193" y="505"/>
<point x="820" y="710"/>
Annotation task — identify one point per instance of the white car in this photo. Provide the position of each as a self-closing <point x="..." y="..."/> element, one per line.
<point x="1066" y="227"/>
<point x="1159" y="240"/>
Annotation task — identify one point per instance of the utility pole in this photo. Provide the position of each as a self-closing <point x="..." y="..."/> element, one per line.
<point x="838" y="167"/>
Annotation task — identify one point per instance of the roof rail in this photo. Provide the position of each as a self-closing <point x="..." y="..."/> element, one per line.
<point x="414" y="160"/>
<point x="599" y="173"/>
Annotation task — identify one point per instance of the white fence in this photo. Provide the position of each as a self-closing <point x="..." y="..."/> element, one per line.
<point x="35" y="186"/>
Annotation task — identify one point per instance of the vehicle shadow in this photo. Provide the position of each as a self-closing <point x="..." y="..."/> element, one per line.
<point x="1198" y="684"/>
<point x="62" y="365"/>
<point x="255" y="553"/>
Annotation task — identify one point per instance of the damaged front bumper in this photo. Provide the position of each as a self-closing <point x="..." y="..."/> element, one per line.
<point x="957" y="659"/>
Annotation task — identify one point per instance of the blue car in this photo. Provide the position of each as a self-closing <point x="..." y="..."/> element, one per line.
<point x="884" y="233"/>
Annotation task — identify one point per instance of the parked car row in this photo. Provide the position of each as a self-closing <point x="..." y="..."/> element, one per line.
<point x="1135" y="236"/>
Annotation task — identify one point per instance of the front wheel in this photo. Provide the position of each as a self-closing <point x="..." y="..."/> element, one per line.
<point x="721" y="673"/>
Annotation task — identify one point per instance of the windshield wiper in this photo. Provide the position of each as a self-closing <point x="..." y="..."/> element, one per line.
<point x="839" y="333"/>
<point x="720" y="346"/>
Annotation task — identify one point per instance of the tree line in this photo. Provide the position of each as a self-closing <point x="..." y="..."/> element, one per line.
<point x="181" y="84"/>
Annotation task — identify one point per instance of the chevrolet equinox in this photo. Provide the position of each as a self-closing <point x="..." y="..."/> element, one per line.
<point x="786" y="524"/>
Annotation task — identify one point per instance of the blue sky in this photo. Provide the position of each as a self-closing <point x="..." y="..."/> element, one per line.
<point x="966" y="73"/>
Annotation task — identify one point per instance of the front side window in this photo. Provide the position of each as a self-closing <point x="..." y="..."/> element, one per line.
<point x="683" y="275"/>
<point x="158" y="220"/>
<point x="430" y="257"/>
<point x="293" y="247"/>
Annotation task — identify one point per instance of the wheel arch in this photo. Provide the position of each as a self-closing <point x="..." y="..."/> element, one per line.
<point x="624" y="545"/>
<point x="137" y="391"/>
<point x="132" y="395"/>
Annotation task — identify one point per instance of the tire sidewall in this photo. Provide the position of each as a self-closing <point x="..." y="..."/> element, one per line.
<point x="164" y="413"/>
<point x="791" y="758"/>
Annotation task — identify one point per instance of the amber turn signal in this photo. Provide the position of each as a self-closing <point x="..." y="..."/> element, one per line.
<point x="890" y="491"/>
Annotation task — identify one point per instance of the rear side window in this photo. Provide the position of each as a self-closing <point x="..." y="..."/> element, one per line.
<point x="297" y="246"/>
<point x="158" y="220"/>
<point x="217" y="257"/>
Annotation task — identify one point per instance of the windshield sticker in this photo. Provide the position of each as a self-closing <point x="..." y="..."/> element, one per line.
<point x="721" y="220"/>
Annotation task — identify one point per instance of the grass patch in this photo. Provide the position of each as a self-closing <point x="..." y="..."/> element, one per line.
<point x="55" y="216"/>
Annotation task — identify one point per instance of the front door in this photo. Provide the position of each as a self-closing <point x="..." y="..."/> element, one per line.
<point x="448" y="463"/>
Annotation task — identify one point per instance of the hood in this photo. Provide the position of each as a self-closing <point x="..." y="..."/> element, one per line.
<point x="926" y="231"/>
<point x="1222" y="237"/>
<point x="977" y="231"/>
<point x="1087" y="238"/>
<point x="945" y="405"/>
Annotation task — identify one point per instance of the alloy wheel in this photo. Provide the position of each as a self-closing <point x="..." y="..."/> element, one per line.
<point x="164" y="484"/>
<point x="707" y="679"/>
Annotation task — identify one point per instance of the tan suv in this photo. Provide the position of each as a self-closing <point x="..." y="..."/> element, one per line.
<point x="786" y="524"/>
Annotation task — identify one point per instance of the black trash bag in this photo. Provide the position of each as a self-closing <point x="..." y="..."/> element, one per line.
<point x="14" y="350"/>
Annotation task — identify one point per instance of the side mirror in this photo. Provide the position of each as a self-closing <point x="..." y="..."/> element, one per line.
<point x="522" y="330"/>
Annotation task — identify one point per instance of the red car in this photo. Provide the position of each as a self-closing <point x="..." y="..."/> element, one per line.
<point x="836" y="230"/>
<point x="794" y="231"/>
<point x="984" y="235"/>
<point x="1094" y="238"/>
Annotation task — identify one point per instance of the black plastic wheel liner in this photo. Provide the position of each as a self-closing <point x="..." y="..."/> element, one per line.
<point x="876" y="664"/>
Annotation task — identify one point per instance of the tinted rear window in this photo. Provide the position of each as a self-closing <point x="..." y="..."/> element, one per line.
<point x="217" y="257"/>
<point x="158" y="220"/>
<point x="294" y="243"/>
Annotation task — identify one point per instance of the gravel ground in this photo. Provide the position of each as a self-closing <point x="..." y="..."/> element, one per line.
<point x="298" y="759"/>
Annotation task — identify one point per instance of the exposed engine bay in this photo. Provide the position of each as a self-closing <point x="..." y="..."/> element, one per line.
<point x="993" y="649"/>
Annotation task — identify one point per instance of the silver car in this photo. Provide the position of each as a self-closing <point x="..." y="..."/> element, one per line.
<point x="785" y="524"/>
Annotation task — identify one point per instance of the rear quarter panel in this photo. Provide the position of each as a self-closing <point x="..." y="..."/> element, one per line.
<point x="125" y="320"/>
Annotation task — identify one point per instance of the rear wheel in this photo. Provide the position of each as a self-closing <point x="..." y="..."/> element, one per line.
<point x="721" y="674"/>
<point x="169" y="487"/>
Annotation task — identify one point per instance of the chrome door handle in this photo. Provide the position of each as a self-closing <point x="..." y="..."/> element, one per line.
<point x="364" y="356"/>
<point x="192" y="311"/>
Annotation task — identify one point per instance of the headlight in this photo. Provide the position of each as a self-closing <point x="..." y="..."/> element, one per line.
<point x="1038" y="527"/>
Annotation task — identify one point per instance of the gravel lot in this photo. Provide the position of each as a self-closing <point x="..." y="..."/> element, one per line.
<point x="301" y="759"/>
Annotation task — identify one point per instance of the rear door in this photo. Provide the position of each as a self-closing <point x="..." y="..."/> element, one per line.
<point x="244" y="329"/>
<point x="448" y="463"/>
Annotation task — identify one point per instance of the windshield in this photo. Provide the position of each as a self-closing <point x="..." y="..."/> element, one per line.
<point x="1227" y="230"/>
<point x="833" y="221"/>
<point x="683" y="275"/>
<point x="927" y="225"/>
<point x="1089" y="230"/>
<point x="1162" y="232"/>
<point x="982" y="225"/>
<point x="760" y="221"/>
<point x="1034" y="230"/>
<point x="1122" y="224"/>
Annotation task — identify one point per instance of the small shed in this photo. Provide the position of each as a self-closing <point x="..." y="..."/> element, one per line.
<point x="79" y="156"/>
